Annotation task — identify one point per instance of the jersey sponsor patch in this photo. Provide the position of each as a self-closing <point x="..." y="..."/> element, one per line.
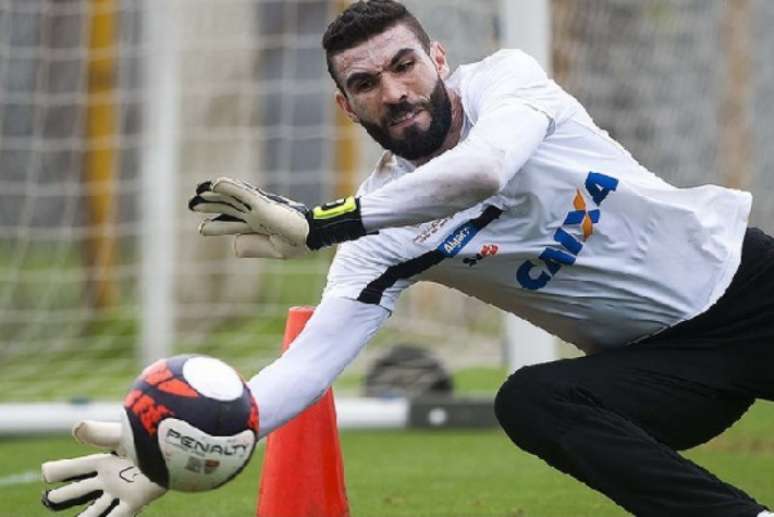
<point x="458" y="239"/>
<point x="532" y="276"/>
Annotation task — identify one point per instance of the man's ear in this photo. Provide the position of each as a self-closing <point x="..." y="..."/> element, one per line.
<point x="343" y="103"/>
<point x="438" y="56"/>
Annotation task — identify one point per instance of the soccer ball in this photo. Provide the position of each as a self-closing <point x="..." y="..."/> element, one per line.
<point x="190" y="423"/>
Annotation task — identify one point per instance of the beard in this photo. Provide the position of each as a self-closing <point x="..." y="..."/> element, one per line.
<point x="415" y="143"/>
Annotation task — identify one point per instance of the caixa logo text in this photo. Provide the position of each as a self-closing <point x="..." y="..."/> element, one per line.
<point x="534" y="277"/>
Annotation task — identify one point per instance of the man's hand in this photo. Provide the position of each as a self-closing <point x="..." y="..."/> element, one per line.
<point x="268" y="225"/>
<point x="112" y="485"/>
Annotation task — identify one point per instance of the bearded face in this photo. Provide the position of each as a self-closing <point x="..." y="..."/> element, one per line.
<point x="414" y="142"/>
<point x="393" y="86"/>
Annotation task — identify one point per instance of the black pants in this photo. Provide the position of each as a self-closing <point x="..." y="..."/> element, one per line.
<point x="614" y="420"/>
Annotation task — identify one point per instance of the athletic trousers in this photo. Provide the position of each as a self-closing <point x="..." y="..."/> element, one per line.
<point x="614" y="419"/>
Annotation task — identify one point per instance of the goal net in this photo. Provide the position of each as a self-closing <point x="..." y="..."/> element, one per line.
<point x="110" y="114"/>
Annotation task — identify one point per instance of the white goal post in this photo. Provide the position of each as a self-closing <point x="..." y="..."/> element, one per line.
<point x="159" y="181"/>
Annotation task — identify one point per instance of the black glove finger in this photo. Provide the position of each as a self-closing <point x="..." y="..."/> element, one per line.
<point x="221" y="204"/>
<point x="204" y="186"/>
<point x="72" y="494"/>
<point x="227" y="219"/>
<point x="100" y="507"/>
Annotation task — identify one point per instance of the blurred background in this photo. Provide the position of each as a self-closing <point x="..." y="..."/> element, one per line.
<point x="112" y="111"/>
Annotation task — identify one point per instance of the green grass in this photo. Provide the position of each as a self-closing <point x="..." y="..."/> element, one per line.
<point x="425" y="473"/>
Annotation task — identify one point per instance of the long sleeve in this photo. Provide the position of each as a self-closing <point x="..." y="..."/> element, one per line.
<point x="337" y="331"/>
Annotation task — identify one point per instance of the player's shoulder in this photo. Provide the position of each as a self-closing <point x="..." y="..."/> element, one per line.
<point x="512" y="67"/>
<point x="388" y="168"/>
<point x="511" y="57"/>
<point x="506" y="76"/>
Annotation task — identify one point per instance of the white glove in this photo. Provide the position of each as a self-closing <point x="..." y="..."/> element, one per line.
<point x="113" y="485"/>
<point x="268" y="225"/>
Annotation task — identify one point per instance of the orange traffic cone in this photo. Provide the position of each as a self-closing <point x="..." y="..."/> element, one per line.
<point x="303" y="475"/>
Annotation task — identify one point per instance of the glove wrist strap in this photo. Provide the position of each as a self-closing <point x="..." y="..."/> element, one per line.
<point x="334" y="222"/>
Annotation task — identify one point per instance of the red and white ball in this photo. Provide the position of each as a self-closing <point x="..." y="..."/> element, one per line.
<point x="190" y="423"/>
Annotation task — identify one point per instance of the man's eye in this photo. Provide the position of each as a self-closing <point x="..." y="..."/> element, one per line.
<point x="365" y="85"/>
<point x="404" y="66"/>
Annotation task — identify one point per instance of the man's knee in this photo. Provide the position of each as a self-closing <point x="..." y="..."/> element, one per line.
<point x="526" y="407"/>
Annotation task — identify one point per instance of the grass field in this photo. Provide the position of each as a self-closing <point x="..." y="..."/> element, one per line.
<point x="421" y="473"/>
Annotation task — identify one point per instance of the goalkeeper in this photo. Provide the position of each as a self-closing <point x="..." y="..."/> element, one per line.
<point x="667" y="290"/>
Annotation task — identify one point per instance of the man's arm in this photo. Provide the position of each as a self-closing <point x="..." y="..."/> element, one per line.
<point x="337" y="331"/>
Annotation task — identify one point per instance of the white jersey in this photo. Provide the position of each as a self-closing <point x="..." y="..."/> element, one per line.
<point x="582" y="240"/>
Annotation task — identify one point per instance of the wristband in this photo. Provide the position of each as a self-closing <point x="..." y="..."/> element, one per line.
<point x="334" y="222"/>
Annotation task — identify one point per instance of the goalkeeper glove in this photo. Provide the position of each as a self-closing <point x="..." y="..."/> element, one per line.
<point x="269" y="225"/>
<point x="113" y="485"/>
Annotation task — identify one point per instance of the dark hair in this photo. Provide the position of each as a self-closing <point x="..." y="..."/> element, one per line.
<point x="363" y="20"/>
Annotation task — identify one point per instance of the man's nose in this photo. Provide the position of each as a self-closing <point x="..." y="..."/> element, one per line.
<point x="393" y="90"/>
